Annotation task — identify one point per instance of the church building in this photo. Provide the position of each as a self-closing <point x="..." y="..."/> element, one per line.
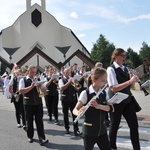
<point x="37" y="38"/>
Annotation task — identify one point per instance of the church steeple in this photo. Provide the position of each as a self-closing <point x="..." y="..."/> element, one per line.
<point x="28" y="4"/>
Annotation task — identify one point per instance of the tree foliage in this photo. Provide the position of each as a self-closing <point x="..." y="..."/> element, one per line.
<point x="144" y="51"/>
<point x="134" y="58"/>
<point x="102" y="50"/>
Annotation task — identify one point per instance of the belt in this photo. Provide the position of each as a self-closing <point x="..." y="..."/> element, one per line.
<point x="66" y="95"/>
<point x="87" y="124"/>
<point x="26" y="97"/>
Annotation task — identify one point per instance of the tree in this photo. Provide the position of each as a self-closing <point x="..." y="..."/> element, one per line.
<point x="102" y="50"/>
<point x="134" y="58"/>
<point x="145" y="51"/>
<point x="145" y="56"/>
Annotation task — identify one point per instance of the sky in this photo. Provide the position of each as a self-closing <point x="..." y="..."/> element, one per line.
<point x="125" y="23"/>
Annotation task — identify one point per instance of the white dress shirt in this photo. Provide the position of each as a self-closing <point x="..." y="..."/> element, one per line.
<point x="83" y="95"/>
<point x="111" y="75"/>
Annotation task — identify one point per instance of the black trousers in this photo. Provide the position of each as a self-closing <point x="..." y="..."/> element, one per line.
<point x="66" y="106"/>
<point x="52" y="104"/>
<point x="102" y="142"/>
<point x="19" y="110"/>
<point x="34" y="112"/>
<point x="128" y="111"/>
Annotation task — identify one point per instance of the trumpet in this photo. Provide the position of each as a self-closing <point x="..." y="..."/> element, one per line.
<point x="133" y="72"/>
<point x="41" y="94"/>
<point x="76" y="85"/>
<point x="55" y="81"/>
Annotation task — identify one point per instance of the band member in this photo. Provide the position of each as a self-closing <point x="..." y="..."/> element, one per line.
<point x="83" y="79"/>
<point x="45" y="73"/>
<point x="17" y="99"/>
<point x="74" y="69"/>
<point x="44" y="76"/>
<point x="52" y="95"/>
<point x="94" y="127"/>
<point x="107" y="120"/>
<point x="99" y="64"/>
<point x="33" y="105"/>
<point x="68" y="99"/>
<point x="119" y="81"/>
<point x="61" y="73"/>
<point x="7" y="79"/>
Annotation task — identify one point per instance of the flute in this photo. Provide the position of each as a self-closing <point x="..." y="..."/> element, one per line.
<point x="88" y="105"/>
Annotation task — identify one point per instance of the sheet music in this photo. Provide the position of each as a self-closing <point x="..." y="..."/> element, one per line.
<point x="77" y="77"/>
<point x="87" y="73"/>
<point x="118" y="98"/>
<point x="55" y="76"/>
<point x="40" y="82"/>
<point x="147" y="83"/>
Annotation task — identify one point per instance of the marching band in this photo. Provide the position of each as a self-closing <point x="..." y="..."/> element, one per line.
<point x="26" y="88"/>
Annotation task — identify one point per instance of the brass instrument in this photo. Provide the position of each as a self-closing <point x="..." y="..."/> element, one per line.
<point x="55" y="81"/>
<point x="24" y="70"/>
<point x="41" y="94"/>
<point x="76" y="85"/>
<point x="55" y="78"/>
<point x="17" y="96"/>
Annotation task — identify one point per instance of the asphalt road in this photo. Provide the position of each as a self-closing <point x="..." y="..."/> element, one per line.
<point x="13" y="138"/>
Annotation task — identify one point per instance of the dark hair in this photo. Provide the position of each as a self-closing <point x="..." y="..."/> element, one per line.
<point x="116" y="52"/>
<point x="95" y="74"/>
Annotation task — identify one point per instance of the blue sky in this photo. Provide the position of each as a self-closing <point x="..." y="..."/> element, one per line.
<point x="125" y="23"/>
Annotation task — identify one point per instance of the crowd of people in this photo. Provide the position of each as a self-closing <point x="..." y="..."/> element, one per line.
<point x="77" y="87"/>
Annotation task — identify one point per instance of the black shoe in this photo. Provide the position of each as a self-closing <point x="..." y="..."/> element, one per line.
<point x="42" y="141"/>
<point x="30" y="140"/>
<point x="50" y="119"/>
<point x="77" y="133"/>
<point x="24" y="127"/>
<point x="57" y="122"/>
<point x="67" y="132"/>
<point x="19" y="126"/>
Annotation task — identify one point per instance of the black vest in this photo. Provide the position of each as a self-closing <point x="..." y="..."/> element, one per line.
<point x="15" y="85"/>
<point x="69" y="94"/>
<point x="32" y="97"/>
<point x="52" y="89"/>
<point x="94" y="122"/>
<point x="122" y="76"/>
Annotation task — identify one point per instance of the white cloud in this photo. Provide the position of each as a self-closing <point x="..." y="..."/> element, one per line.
<point x="111" y="14"/>
<point x="10" y="12"/>
<point x="145" y="16"/>
<point x="81" y="35"/>
<point x="74" y="15"/>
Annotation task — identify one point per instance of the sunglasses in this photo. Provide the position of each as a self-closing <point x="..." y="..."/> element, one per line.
<point x="123" y="55"/>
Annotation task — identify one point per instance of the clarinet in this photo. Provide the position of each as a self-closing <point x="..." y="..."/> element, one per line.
<point x="88" y="105"/>
<point x="140" y="83"/>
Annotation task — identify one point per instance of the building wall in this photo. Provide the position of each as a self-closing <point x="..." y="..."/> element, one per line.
<point x="48" y="34"/>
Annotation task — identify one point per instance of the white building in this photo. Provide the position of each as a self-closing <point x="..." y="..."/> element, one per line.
<point x="37" y="38"/>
